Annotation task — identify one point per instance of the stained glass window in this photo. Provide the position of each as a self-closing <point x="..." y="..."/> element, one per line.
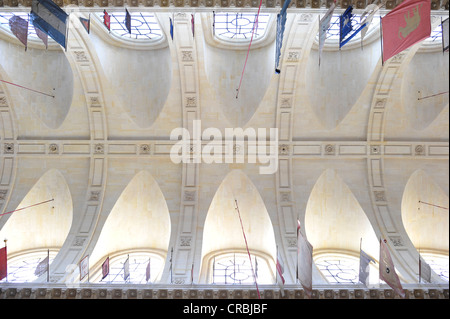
<point x="236" y="269"/>
<point x="138" y="264"/>
<point x="22" y="268"/>
<point x="239" y="26"/>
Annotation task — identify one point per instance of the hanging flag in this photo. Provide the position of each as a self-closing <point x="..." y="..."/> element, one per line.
<point x="147" y="271"/>
<point x="126" y="269"/>
<point x="86" y="23"/>
<point x="19" y="27"/>
<point x="84" y="267"/>
<point x="280" y="272"/>
<point x="51" y="19"/>
<point x="281" y="23"/>
<point x="364" y="261"/>
<point x="424" y="270"/>
<point x="445" y="35"/>
<point x="42" y="267"/>
<point x="105" y="268"/>
<point x="42" y="35"/>
<point x="345" y="24"/>
<point x="404" y="26"/>
<point x="324" y="25"/>
<point x="304" y="262"/>
<point x="107" y="20"/>
<point x="387" y="270"/>
<point x="128" y="21"/>
<point x="171" y="28"/>
<point x="192" y="24"/>
<point x="370" y="11"/>
<point x="3" y="263"/>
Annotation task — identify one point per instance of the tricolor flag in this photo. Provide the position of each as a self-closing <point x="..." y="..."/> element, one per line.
<point x="51" y="19"/>
<point x="281" y="23"/>
<point x="3" y="263"/>
<point x="84" y="267"/>
<point x="86" y="23"/>
<point x="107" y="20"/>
<point x="304" y="262"/>
<point x="387" y="270"/>
<point x="280" y="272"/>
<point x="126" y="269"/>
<point x="445" y="35"/>
<point x="128" y="21"/>
<point x="105" y="268"/>
<point x="404" y="26"/>
<point x="324" y="25"/>
<point x="424" y="270"/>
<point x="367" y="17"/>
<point x="364" y="261"/>
<point x="19" y="27"/>
<point x="43" y="266"/>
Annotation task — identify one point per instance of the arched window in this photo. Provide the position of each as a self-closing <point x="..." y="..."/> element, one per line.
<point x="22" y="268"/>
<point x="239" y="26"/>
<point x="144" y="25"/>
<point x="140" y="265"/>
<point x="235" y="268"/>
<point x="339" y="268"/>
<point x="438" y="263"/>
<point x="333" y="32"/>
<point x="4" y="23"/>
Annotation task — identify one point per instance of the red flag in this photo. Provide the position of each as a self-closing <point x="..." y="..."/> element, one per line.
<point x="107" y="20"/>
<point x="407" y="24"/>
<point x="3" y="263"/>
<point x="387" y="270"/>
<point x="19" y="27"/>
<point x="105" y="268"/>
<point x="42" y="35"/>
<point x="192" y="24"/>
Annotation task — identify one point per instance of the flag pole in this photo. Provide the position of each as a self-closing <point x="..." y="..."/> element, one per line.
<point x="23" y="87"/>
<point x="246" y="245"/>
<point x="16" y="210"/>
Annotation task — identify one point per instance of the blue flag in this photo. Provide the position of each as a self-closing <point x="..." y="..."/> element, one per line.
<point x="51" y="19"/>
<point x="128" y="20"/>
<point x="345" y="24"/>
<point x="171" y="28"/>
<point x="281" y="22"/>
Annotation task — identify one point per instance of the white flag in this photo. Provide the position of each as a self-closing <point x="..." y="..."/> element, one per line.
<point x="126" y="269"/>
<point x="324" y="24"/>
<point x="42" y="267"/>
<point x="304" y="262"/>
<point x="387" y="270"/>
<point x="370" y="10"/>
<point x="424" y="270"/>
<point x="364" y="261"/>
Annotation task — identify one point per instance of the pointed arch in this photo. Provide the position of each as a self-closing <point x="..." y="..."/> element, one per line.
<point x="426" y="225"/>
<point x="138" y="222"/>
<point x="43" y="226"/>
<point x="335" y="221"/>
<point x="223" y="232"/>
